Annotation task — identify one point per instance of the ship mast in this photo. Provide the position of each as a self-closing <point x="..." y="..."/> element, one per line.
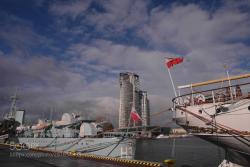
<point x="13" y="107"/>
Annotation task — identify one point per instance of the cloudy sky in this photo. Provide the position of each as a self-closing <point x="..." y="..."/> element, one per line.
<point x="66" y="56"/>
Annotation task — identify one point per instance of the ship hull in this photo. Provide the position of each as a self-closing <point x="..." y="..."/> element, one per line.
<point x="237" y="118"/>
<point x="237" y="147"/>
<point x="202" y="121"/>
<point x="113" y="147"/>
<point x="239" y="144"/>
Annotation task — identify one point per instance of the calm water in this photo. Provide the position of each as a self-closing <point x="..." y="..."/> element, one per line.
<point x="188" y="152"/>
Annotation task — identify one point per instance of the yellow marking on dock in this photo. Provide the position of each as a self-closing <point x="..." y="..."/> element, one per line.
<point x="111" y="160"/>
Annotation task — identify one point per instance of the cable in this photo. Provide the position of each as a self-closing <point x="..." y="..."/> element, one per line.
<point x="116" y="146"/>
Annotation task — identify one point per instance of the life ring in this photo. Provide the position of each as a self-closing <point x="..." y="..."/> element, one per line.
<point x="187" y="100"/>
<point x="179" y="100"/>
<point x="199" y="99"/>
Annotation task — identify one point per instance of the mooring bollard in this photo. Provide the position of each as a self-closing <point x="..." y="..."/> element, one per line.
<point x="169" y="162"/>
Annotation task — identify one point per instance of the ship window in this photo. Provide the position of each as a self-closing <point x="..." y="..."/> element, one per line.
<point x="200" y="111"/>
<point x="222" y="109"/>
<point x="249" y="108"/>
<point x="218" y="110"/>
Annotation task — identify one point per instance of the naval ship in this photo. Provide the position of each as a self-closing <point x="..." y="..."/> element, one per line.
<point x="10" y="121"/>
<point x="218" y="111"/>
<point x="70" y="134"/>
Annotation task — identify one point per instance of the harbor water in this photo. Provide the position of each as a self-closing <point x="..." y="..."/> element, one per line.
<point x="187" y="152"/>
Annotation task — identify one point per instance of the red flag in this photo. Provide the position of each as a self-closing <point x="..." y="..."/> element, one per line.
<point x="170" y="62"/>
<point x="134" y="115"/>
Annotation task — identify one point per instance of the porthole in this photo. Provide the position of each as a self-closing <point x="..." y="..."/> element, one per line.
<point x="218" y="110"/>
<point x="249" y="108"/>
<point x="200" y="111"/>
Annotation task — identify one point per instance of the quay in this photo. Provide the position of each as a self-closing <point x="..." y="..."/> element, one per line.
<point x="10" y="158"/>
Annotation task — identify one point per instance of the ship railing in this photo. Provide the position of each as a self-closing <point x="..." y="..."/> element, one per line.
<point x="226" y="94"/>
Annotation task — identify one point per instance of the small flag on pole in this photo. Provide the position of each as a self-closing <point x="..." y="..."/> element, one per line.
<point x="134" y="115"/>
<point x="170" y="62"/>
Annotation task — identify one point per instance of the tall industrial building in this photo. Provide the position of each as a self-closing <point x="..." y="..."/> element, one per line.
<point x="130" y="94"/>
<point x="145" y="108"/>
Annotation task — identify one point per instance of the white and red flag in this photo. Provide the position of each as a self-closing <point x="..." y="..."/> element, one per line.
<point x="134" y="115"/>
<point x="170" y="62"/>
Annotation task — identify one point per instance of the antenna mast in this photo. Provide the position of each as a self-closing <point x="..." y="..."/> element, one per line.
<point x="13" y="107"/>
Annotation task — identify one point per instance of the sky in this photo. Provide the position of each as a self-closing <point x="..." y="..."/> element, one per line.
<point x="66" y="56"/>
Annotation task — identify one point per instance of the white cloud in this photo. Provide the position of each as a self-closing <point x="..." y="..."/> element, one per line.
<point x="69" y="8"/>
<point x="88" y="81"/>
<point x="119" y="15"/>
<point x="148" y="64"/>
<point x="188" y="27"/>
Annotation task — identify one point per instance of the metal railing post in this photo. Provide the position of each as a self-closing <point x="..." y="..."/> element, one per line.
<point x="213" y="97"/>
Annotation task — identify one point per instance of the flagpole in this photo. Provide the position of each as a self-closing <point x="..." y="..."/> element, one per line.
<point x="133" y="104"/>
<point x="172" y="82"/>
<point x="128" y="125"/>
<point x="229" y="82"/>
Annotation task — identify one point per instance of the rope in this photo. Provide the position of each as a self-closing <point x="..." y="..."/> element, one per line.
<point x="73" y="144"/>
<point x="224" y="127"/>
<point x="94" y="148"/>
<point x="227" y="129"/>
<point x="49" y="143"/>
<point x="115" y="146"/>
<point x="160" y="112"/>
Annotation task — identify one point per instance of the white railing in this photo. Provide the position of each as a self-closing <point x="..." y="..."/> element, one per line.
<point x="216" y="95"/>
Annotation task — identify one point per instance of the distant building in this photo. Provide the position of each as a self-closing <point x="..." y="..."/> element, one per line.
<point x="145" y="109"/>
<point x="130" y="94"/>
<point x="178" y="131"/>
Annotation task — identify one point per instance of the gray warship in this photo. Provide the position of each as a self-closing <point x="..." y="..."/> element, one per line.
<point x="70" y="134"/>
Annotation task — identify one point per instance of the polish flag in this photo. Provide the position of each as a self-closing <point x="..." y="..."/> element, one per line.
<point x="170" y="62"/>
<point x="134" y="115"/>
